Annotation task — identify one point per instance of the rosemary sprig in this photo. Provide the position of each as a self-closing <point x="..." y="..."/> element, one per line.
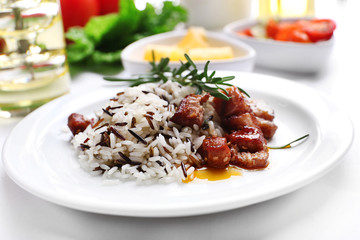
<point x="289" y="144"/>
<point x="187" y="75"/>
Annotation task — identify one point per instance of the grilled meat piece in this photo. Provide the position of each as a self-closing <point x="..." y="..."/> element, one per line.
<point x="250" y="160"/>
<point x="267" y="127"/>
<point x="238" y="122"/>
<point x="261" y="109"/>
<point x="248" y="139"/>
<point x="235" y="106"/>
<point x="215" y="152"/>
<point x="77" y="123"/>
<point x="190" y="111"/>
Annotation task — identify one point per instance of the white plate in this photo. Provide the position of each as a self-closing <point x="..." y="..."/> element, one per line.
<point x="38" y="156"/>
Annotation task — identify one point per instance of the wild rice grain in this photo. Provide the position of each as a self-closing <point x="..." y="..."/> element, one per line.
<point x="116" y="133"/>
<point x="118" y="107"/>
<point x="124" y="157"/>
<point x="84" y="146"/>
<point x="97" y="123"/>
<point x="121" y="124"/>
<point x="108" y="113"/>
<point x="105" y="124"/>
<point x="151" y="151"/>
<point x="105" y="140"/>
<point x="148" y="119"/>
<point x="133" y="122"/>
<point x="183" y="169"/>
<point x="137" y="136"/>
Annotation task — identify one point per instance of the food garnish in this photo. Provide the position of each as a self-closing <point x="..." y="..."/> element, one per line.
<point x="187" y="75"/>
<point x="288" y="145"/>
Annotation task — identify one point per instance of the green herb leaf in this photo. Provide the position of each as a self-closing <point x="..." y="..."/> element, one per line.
<point x="82" y="47"/>
<point x="187" y="75"/>
<point x="103" y="37"/>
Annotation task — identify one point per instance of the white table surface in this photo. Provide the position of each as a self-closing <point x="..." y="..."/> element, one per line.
<point x="328" y="208"/>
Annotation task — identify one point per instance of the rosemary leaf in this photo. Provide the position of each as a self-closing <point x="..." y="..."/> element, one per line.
<point x="198" y="90"/>
<point x="228" y="78"/>
<point x="213" y="74"/>
<point x="205" y="71"/>
<point x="222" y="89"/>
<point x="187" y="75"/>
<point x="113" y="79"/>
<point x="190" y="61"/>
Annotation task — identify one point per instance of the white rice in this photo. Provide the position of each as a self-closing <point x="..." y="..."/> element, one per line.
<point x="167" y="146"/>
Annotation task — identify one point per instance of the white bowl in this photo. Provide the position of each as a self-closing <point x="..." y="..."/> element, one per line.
<point x="133" y="55"/>
<point x="288" y="56"/>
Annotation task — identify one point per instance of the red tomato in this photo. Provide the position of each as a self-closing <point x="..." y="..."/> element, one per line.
<point x="291" y="31"/>
<point x="320" y="29"/>
<point x="108" y="6"/>
<point x="78" y="12"/>
<point x="292" y="35"/>
<point x="246" y="32"/>
<point x="272" y="28"/>
<point x="301" y="31"/>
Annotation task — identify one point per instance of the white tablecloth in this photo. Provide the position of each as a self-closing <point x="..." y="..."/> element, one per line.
<point x="328" y="208"/>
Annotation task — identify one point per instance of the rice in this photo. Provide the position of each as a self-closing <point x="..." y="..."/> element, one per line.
<point x="133" y="139"/>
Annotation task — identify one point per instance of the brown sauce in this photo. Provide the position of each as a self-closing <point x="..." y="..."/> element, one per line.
<point x="213" y="174"/>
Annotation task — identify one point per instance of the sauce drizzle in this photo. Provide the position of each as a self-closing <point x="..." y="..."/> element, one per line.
<point x="213" y="174"/>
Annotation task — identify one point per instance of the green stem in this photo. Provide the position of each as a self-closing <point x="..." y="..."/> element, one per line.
<point x="289" y="144"/>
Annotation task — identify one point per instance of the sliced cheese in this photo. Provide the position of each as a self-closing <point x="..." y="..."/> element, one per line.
<point x="194" y="38"/>
<point x="163" y="51"/>
<point x="210" y="53"/>
<point x="194" y="43"/>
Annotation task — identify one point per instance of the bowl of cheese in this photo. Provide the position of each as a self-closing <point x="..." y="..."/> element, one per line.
<point x="223" y="52"/>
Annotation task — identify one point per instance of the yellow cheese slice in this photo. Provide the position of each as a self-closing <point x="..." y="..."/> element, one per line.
<point x="211" y="53"/>
<point x="163" y="51"/>
<point x="194" y="38"/>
